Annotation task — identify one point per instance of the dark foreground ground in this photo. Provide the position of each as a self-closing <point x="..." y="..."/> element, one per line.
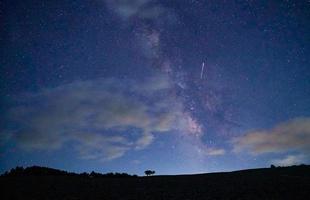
<point x="278" y="183"/>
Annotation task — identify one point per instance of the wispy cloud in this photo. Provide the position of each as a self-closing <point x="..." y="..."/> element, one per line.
<point x="293" y="135"/>
<point x="215" y="151"/>
<point x="98" y="117"/>
<point x="289" y="160"/>
<point x="142" y="9"/>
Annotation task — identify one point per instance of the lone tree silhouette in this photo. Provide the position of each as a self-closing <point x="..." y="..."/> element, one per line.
<point x="149" y="172"/>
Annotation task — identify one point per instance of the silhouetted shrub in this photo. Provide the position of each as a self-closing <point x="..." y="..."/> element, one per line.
<point x="16" y="171"/>
<point x="84" y="174"/>
<point x="149" y="172"/>
<point x="109" y="174"/>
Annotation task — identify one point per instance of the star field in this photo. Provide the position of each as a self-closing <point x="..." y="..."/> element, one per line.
<point x="176" y="86"/>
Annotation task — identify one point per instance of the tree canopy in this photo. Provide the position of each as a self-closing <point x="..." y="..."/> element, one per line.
<point x="149" y="172"/>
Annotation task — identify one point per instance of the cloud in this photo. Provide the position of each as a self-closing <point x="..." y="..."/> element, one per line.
<point x="144" y="141"/>
<point x="143" y="9"/>
<point x="99" y="146"/>
<point x="215" y="152"/>
<point x="102" y="119"/>
<point x="289" y="160"/>
<point x="293" y="135"/>
<point x="136" y="162"/>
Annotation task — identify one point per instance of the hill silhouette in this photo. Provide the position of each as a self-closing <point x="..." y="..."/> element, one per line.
<point x="265" y="183"/>
<point x="46" y="171"/>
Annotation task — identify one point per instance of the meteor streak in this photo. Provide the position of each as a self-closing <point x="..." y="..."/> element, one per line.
<point x="202" y="68"/>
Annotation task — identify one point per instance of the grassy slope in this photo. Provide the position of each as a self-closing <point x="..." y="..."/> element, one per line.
<point x="279" y="183"/>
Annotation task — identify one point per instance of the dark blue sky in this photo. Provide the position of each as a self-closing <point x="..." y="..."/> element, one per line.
<point x="176" y="86"/>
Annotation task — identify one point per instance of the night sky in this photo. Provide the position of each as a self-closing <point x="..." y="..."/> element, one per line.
<point x="180" y="86"/>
